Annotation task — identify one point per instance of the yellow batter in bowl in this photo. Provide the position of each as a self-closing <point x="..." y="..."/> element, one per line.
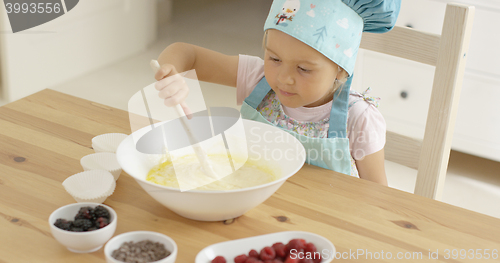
<point x="251" y="173"/>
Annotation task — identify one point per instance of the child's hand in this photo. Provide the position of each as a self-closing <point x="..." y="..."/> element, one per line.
<point x="172" y="87"/>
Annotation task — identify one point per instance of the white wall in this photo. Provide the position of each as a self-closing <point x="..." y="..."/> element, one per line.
<point x="92" y="35"/>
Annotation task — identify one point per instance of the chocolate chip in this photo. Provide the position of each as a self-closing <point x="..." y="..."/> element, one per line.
<point x="140" y="252"/>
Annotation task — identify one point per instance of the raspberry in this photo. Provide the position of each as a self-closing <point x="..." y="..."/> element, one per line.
<point x="296" y="244"/>
<point x="86" y="212"/>
<point x="240" y="259"/>
<point x="267" y="253"/>
<point x="291" y="260"/>
<point x="280" y="249"/>
<point x="63" y="224"/>
<point x="253" y="260"/>
<point x="101" y="211"/>
<point x="312" y="250"/>
<point x="102" y="222"/>
<point x="310" y="247"/>
<point x="253" y="254"/>
<point x="84" y="224"/>
<point x="279" y="253"/>
<point x="219" y="259"/>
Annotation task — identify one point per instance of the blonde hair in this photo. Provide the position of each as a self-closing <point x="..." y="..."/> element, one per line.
<point x="340" y="82"/>
<point x="264" y="39"/>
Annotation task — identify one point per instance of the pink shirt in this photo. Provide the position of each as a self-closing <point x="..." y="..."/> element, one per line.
<point x="366" y="127"/>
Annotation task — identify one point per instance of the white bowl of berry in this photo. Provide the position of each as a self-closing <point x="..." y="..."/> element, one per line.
<point x="83" y="227"/>
<point x="280" y="247"/>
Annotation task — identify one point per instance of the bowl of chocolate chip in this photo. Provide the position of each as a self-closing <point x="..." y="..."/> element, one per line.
<point x="141" y="247"/>
<point x="83" y="227"/>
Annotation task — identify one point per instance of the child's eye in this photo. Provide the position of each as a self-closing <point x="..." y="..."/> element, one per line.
<point x="304" y="69"/>
<point x="274" y="59"/>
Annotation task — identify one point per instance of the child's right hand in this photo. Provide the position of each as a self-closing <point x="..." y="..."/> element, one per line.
<point x="172" y="87"/>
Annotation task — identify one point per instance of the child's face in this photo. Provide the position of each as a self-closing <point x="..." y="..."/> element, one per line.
<point x="298" y="74"/>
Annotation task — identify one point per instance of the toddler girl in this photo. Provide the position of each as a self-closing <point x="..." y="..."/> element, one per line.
<point x="303" y="83"/>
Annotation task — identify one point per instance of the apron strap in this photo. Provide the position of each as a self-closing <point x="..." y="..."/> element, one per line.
<point x="258" y="93"/>
<point x="338" y="115"/>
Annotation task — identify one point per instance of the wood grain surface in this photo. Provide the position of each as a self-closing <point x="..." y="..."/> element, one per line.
<point x="43" y="137"/>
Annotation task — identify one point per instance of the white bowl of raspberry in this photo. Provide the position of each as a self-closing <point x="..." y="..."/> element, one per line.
<point x="83" y="227"/>
<point x="265" y="144"/>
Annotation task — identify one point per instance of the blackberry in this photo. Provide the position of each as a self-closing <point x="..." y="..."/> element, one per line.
<point x="86" y="212"/>
<point x="84" y="224"/>
<point x="63" y="224"/>
<point x="75" y="229"/>
<point x="101" y="211"/>
<point x="101" y="222"/>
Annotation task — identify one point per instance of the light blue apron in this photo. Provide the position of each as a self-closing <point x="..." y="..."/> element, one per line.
<point x="329" y="153"/>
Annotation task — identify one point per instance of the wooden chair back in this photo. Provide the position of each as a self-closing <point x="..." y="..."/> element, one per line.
<point x="448" y="53"/>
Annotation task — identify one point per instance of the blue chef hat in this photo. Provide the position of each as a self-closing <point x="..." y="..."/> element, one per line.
<point x="333" y="27"/>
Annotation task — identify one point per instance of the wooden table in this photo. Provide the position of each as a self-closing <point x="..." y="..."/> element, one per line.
<point x="43" y="137"/>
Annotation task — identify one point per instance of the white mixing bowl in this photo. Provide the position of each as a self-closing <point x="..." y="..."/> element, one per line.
<point x="265" y="144"/>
